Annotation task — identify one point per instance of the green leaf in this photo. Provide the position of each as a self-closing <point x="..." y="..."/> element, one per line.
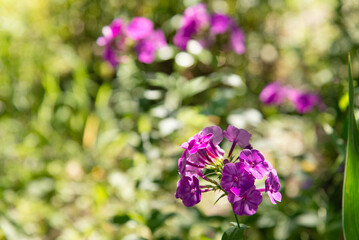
<point x="157" y="219"/>
<point x="234" y="233"/>
<point x="120" y="219"/>
<point x="219" y="198"/>
<point x="351" y="183"/>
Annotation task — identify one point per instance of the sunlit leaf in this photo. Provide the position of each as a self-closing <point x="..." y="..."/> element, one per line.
<point x="351" y="184"/>
<point x="234" y="233"/>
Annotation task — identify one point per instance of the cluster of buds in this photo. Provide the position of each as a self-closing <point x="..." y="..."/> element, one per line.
<point x="235" y="176"/>
<point x="198" y="24"/>
<point x="118" y="37"/>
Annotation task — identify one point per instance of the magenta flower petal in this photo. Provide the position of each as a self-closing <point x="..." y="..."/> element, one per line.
<point x="217" y="133"/>
<point x="139" y="28"/>
<point x="272" y="187"/>
<point x="220" y="23"/>
<point x="235" y="175"/>
<point x="190" y="165"/>
<point x="115" y="28"/>
<point x="303" y="102"/>
<point x="181" y="40"/>
<point x="110" y="32"/>
<point x="239" y="136"/>
<point x="198" y="141"/>
<point x="146" y="47"/>
<point x="195" y="18"/>
<point x="110" y="55"/>
<point x="273" y="94"/>
<point x="188" y="190"/>
<point x="146" y="51"/>
<point x="198" y="13"/>
<point x="245" y="202"/>
<point x="255" y="163"/>
<point x="275" y="197"/>
<point x="237" y="40"/>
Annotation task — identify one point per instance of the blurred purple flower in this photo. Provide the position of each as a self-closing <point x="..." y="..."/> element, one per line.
<point x="245" y="202"/>
<point x="235" y="175"/>
<point x="237" y="136"/>
<point x="188" y="190"/>
<point x="111" y="32"/>
<point x="146" y="48"/>
<point x="112" y="41"/>
<point x="139" y="28"/>
<point x="303" y="102"/>
<point x="272" y="187"/>
<point x="237" y="40"/>
<point x="110" y="56"/>
<point x="194" y="19"/>
<point x="220" y="23"/>
<point x="273" y="94"/>
<point x="255" y="163"/>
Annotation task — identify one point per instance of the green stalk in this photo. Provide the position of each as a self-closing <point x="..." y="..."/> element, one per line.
<point x="351" y="179"/>
<point x="235" y="215"/>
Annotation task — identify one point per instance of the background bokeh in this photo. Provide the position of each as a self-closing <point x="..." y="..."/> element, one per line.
<point x="90" y="152"/>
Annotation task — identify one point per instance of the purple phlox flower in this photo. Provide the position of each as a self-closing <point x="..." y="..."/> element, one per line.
<point x="110" y="32"/>
<point x="274" y="94"/>
<point x="146" y="47"/>
<point x="139" y="28"/>
<point x="198" y="13"/>
<point x="112" y="40"/>
<point x="237" y="136"/>
<point x="191" y="164"/>
<point x="255" y="163"/>
<point x="198" y="141"/>
<point x="235" y="175"/>
<point x="194" y="19"/>
<point x="217" y="134"/>
<point x="189" y="191"/>
<point x="272" y="187"/>
<point x="181" y="39"/>
<point x="303" y="102"/>
<point x="110" y="56"/>
<point x="245" y="202"/>
<point x="237" y="40"/>
<point x="220" y="23"/>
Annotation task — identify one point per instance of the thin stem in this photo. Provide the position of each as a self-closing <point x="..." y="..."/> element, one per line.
<point x="231" y="150"/>
<point x="235" y="215"/>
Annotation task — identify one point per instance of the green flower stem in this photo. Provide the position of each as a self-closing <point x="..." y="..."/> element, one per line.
<point x="236" y="217"/>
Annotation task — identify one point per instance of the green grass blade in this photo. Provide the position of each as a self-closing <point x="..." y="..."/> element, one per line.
<point x="351" y="175"/>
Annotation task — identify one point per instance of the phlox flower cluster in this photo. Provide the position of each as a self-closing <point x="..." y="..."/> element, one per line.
<point x="139" y="34"/>
<point x="304" y="102"/>
<point x="234" y="175"/>
<point x="197" y="23"/>
<point x="119" y="37"/>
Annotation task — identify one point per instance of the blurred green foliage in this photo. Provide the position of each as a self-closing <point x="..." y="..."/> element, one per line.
<point x="89" y="152"/>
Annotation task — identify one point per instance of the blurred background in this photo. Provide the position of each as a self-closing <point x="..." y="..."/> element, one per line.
<point x="88" y="151"/>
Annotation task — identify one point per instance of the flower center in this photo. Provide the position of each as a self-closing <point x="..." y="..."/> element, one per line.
<point x="235" y="178"/>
